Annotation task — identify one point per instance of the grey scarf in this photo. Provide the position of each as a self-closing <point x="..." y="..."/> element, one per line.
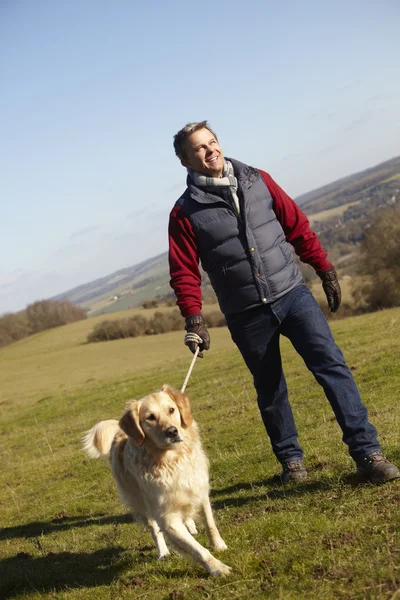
<point x="225" y="186"/>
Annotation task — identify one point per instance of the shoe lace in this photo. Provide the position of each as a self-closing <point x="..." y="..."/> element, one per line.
<point x="294" y="465"/>
<point x="375" y="457"/>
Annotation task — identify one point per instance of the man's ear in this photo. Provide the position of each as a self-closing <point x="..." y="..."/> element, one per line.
<point x="184" y="163"/>
<point x="182" y="402"/>
<point x="130" y="423"/>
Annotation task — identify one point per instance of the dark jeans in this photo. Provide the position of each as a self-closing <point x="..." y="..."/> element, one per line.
<point x="298" y="317"/>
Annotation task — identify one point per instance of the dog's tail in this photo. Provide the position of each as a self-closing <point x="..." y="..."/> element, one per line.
<point x="98" y="441"/>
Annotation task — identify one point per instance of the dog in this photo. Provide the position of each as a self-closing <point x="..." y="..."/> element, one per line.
<point x="161" y="472"/>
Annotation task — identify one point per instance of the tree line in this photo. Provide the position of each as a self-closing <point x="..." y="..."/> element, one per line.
<point x="38" y="316"/>
<point x="138" y="325"/>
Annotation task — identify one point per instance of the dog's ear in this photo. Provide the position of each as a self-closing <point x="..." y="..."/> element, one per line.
<point x="130" y="423"/>
<point x="182" y="402"/>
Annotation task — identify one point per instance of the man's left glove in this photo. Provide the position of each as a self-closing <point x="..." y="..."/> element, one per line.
<point x="194" y="326"/>
<point x="330" y="283"/>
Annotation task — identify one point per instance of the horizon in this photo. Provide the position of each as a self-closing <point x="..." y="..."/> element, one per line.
<point x="93" y="96"/>
<point x="113" y="273"/>
<point x="150" y="258"/>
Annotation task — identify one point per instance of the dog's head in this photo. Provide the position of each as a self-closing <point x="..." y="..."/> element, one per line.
<point x="160" y="417"/>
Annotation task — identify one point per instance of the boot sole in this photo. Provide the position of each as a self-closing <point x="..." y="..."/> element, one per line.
<point x="365" y="476"/>
<point x="296" y="478"/>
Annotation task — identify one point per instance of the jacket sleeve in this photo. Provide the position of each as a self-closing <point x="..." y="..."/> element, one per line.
<point x="184" y="263"/>
<point x="296" y="227"/>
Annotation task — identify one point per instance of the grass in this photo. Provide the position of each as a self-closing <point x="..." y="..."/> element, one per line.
<point x="64" y="533"/>
<point x="393" y="178"/>
<point x="128" y="298"/>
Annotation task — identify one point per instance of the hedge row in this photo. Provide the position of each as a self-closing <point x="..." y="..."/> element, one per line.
<point x="138" y="325"/>
<point x="38" y="316"/>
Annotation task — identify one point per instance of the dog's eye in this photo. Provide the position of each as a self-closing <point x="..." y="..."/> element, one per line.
<point x="171" y="410"/>
<point x="151" y="418"/>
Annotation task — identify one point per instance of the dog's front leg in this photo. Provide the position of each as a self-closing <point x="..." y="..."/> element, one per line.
<point x="212" y="531"/>
<point x="185" y="542"/>
<point x="158" y="538"/>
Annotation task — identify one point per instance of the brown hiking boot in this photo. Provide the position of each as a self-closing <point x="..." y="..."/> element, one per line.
<point x="293" y="471"/>
<point x="376" y="468"/>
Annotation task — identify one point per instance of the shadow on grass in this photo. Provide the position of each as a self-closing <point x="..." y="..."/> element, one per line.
<point x="35" y="529"/>
<point x="276" y="493"/>
<point x="60" y="571"/>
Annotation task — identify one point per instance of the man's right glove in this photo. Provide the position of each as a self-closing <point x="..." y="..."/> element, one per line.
<point x="194" y="326"/>
<point x="330" y="283"/>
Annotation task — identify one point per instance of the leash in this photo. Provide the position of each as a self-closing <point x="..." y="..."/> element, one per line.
<point x="189" y="337"/>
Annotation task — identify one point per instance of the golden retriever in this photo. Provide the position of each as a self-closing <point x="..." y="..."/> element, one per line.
<point x="161" y="472"/>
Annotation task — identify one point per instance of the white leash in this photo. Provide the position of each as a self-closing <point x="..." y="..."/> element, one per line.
<point x="191" y="337"/>
<point x="190" y="369"/>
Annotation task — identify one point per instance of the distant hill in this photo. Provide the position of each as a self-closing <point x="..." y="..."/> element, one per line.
<point x="339" y="213"/>
<point x="123" y="289"/>
<point x="340" y="191"/>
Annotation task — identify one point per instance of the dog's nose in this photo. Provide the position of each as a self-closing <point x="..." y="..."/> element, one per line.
<point x="171" y="432"/>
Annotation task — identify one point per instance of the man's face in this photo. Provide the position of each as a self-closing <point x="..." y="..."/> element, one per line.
<point x="203" y="154"/>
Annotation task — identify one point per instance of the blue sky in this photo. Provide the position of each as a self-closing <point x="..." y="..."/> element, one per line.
<point x="92" y="92"/>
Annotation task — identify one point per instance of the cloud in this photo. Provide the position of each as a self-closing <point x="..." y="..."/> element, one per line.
<point x="145" y="211"/>
<point x="11" y="279"/>
<point x="374" y="97"/>
<point x="292" y="156"/>
<point x="130" y="235"/>
<point x="84" y="231"/>
<point x="177" y="186"/>
<point x="136" y="213"/>
<point x="328" y="149"/>
<point x="66" y="249"/>
<point x="359" y="122"/>
<point x="347" y="87"/>
<point x="327" y="113"/>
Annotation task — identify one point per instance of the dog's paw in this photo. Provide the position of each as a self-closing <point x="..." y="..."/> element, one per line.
<point x="191" y="527"/>
<point x="163" y="554"/>
<point x="219" y="569"/>
<point x="220" y="545"/>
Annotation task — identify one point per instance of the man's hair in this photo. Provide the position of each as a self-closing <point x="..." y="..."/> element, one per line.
<point x="183" y="134"/>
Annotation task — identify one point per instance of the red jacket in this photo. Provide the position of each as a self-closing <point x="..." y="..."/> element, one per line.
<point x="184" y="257"/>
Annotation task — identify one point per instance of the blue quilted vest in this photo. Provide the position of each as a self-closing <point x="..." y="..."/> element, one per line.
<point x="246" y="256"/>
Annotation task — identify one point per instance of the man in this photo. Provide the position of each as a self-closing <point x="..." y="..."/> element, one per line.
<point x="240" y="224"/>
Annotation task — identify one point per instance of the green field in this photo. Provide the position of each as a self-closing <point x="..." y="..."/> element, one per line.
<point x="393" y="178"/>
<point x="64" y="533"/>
<point x="324" y="215"/>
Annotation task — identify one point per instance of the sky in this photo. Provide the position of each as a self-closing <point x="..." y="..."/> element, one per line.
<point x="92" y="92"/>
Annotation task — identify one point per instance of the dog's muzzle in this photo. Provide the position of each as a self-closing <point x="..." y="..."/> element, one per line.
<point x="172" y="434"/>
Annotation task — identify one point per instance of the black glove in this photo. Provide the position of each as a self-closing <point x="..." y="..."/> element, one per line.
<point x="330" y="283"/>
<point x="195" y="324"/>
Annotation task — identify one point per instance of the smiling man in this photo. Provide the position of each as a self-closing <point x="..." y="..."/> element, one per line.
<point x="203" y="154"/>
<point x="240" y="225"/>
